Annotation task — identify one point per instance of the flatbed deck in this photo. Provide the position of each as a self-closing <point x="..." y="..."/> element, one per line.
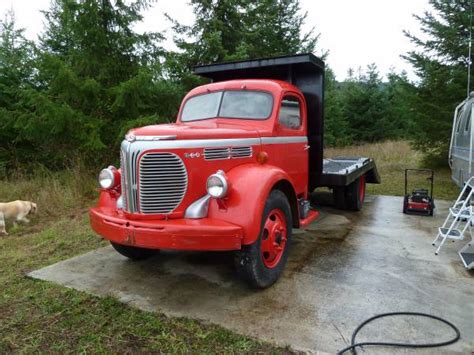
<point x="341" y="171"/>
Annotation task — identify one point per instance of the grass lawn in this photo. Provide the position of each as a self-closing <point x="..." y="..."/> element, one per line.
<point x="39" y="316"/>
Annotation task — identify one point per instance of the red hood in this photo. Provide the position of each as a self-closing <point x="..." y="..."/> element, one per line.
<point x="208" y="130"/>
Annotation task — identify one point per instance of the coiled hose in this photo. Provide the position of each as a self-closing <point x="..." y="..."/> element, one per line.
<point x="354" y="345"/>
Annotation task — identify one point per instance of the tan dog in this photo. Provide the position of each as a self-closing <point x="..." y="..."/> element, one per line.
<point x="17" y="211"/>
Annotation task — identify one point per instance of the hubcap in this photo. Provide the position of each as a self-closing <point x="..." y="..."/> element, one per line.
<point x="273" y="238"/>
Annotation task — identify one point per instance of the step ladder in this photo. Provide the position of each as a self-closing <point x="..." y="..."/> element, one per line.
<point x="467" y="255"/>
<point x="460" y="217"/>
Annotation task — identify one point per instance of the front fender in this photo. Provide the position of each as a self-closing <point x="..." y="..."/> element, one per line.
<point x="108" y="199"/>
<point x="250" y="185"/>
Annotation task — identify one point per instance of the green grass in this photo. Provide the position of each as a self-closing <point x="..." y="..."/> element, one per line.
<point x="39" y="316"/>
<point x="392" y="158"/>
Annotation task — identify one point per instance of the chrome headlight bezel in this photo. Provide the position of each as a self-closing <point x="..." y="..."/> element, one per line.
<point x="107" y="179"/>
<point x="217" y="185"/>
<point x="120" y="203"/>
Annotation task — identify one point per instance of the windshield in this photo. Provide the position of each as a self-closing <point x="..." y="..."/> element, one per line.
<point x="243" y="104"/>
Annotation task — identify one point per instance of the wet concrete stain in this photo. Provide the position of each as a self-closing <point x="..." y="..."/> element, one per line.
<point x="342" y="269"/>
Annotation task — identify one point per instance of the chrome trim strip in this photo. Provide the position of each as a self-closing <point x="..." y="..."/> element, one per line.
<point x="284" y="140"/>
<point x="126" y="147"/>
<point x="217" y="143"/>
<point x="154" y="138"/>
<point x="194" y="143"/>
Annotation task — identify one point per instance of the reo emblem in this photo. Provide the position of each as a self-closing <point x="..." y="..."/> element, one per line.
<point x="192" y="155"/>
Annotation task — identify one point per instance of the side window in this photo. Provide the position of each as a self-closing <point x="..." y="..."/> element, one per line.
<point x="290" y="112"/>
<point x="468" y="119"/>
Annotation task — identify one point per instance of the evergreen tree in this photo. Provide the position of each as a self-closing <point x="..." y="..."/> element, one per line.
<point x="95" y="77"/>
<point x="364" y="105"/>
<point x="441" y="64"/>
<point x="336" y="127"/>
<point x="275" y="27"/>
<point x="16" y="76"/>
<point x="216" y="34"/>
<point x="401" y="117"/>
<point x="227" y="30"/>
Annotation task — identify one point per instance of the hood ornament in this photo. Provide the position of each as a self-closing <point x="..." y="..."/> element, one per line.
<point x="130" y="137"/>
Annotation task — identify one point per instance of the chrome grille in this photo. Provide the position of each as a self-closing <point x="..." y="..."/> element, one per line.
<point x="128" y="165"/>
<point x="227" y="153"/>
<point x="241" y="152"/>
<point x="216" y="153"/>
<point x="163" y="182"/>
<point x="123" y="179"/>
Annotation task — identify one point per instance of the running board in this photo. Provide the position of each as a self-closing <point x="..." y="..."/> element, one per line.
<point x="312" y="215"/>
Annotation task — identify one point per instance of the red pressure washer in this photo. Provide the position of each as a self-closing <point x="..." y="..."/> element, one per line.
<point x="419" y="201"/>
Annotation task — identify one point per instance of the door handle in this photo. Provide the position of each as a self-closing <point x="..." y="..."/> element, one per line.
<point x="306" y="147"/>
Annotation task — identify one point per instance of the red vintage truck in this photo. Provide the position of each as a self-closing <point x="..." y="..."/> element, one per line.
<point x="235" y="172"/>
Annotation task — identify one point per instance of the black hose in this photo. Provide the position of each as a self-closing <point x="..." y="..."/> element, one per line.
<point x="354" y="345"/>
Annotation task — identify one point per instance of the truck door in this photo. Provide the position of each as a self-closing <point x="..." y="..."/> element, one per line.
<point x="294" y="155"/>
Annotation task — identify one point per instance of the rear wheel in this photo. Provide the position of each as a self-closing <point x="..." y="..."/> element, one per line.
<point x="339" y="195"/>
<point x="261" y="264"/>
<point x="355" y="194"/>
<point x="134" y="253"/>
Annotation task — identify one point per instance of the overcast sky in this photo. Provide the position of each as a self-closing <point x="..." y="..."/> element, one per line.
<point x="356" y="33"/>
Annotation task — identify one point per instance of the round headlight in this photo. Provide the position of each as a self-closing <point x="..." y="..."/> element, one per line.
<point x="107" y="178"/>
<point x="217" y="185"/>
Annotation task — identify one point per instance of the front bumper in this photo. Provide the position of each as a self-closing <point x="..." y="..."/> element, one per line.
<point x="180" y="234"/>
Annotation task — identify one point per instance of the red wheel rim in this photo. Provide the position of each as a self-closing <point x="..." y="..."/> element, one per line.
<point x="362" y="188"/>
<point x="274" y="236"/>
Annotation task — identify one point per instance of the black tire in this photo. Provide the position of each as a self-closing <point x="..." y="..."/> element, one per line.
<point x="249" y="261"/>
<point x="134" y="253"/>
<point x="339" y="195"/>
<point x="355" y="194"/>
<point x="405" y="204"/>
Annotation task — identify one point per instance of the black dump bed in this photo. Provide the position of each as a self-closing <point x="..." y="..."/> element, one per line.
<point x="341" y="171"/>
<point x="306" y="72"/>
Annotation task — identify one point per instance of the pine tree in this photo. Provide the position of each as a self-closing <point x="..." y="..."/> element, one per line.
<point x="97" y="40"/>
<point x="275" y="27"/>
<point x="364" y="105"/>
<point x="400" y="112"/>
<point x="94" y="78"/>
<point x="227" y="30"/>
<point x="441" y="64"/>
<point x="16" y="75"/>
<point x="216" y="34"/>
<point x="336" y="127"/>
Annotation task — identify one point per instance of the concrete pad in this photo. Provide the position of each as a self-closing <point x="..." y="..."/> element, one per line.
<point x="344" y="268"/>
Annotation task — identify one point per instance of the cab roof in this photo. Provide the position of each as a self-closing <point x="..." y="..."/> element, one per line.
<point x="272" y="86"/>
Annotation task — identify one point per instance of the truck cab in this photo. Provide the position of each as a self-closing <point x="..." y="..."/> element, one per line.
<point x="234" y="172"/>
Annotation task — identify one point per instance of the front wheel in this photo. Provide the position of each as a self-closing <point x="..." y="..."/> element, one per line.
<point x="261" y="264"/>
<point x="134" y="253"/>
